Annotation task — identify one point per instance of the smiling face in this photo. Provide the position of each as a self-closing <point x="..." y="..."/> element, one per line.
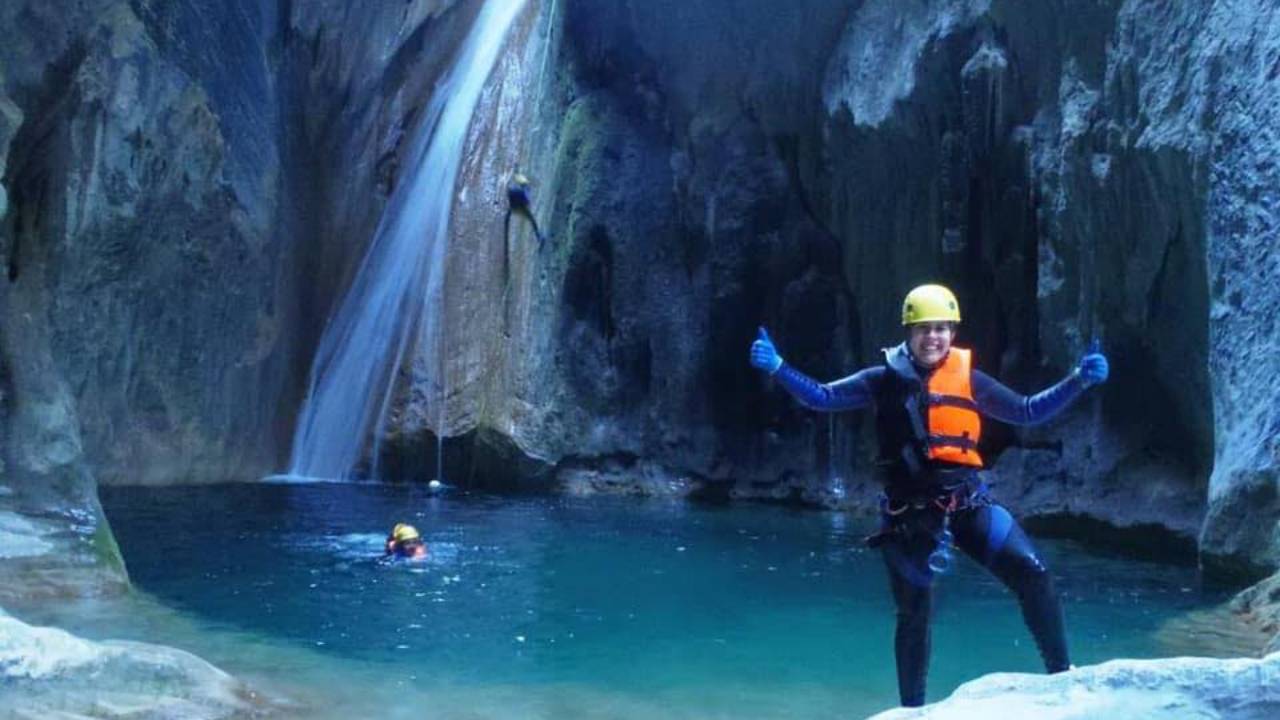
<point x="930" y="341"/>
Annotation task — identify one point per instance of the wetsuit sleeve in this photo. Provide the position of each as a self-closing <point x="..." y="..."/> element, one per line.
<point x="849" y="393"/>
<point x="997" y="401"/>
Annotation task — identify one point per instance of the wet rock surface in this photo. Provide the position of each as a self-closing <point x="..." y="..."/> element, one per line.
<point x="672" y="222"/>
<point x="141" y="193"/>
<point x="47" y="672"/>
<point x="1259" y="608"/>
<point x="1178" y="687"/>
<point x="138" y="282"/>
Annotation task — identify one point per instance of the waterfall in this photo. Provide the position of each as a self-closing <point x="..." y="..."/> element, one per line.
<point x="398" y="288"/>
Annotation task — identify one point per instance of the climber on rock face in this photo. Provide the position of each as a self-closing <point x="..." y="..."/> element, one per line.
<point x="929" y="400"/>
<point x="518" y="202"/>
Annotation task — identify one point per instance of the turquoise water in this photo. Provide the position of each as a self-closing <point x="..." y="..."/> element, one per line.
<point x="569" y="607"/>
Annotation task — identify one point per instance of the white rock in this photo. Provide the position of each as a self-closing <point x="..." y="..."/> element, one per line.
<point x="46" y="670"/>
<point x="19" y="537"/>
<point x="1239" y="689"/>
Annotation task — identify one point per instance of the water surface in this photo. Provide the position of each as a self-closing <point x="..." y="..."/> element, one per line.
<point x="566" y="607"/>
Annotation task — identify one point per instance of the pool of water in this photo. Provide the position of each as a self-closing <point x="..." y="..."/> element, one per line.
<point x="566" y="607"/>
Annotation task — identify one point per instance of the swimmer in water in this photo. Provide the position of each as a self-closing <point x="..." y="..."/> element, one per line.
<point x="405" y="542"/>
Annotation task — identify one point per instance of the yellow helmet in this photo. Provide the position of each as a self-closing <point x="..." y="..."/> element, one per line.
<point x="519" y="179"/>
<point x="404" y="532"/>
<point x="930" y="303"/>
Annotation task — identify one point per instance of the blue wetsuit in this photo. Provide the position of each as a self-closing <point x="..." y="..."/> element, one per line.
<point x="518" y="202"/>
<point x="993" y="399"/>
<point x="914" y="508"/>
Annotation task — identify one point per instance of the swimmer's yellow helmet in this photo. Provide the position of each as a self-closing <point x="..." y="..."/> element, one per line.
<point x="404" y="532"/>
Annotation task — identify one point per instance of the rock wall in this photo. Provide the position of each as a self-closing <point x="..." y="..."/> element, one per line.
<point x="1258" y="607"/>
<point x="673" y="221"/>
<point x="1075" y="171"/>
<point x="1242" y="54"/>
<point x="183" y="202"/>
<point x="702" y="171"/>
<point x="138" y="281"/>
<point x="1017" y="164"/>
<point x="142" y="200"/>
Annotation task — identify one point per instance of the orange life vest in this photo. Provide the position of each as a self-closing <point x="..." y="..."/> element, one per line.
<point x="954" y="425"/>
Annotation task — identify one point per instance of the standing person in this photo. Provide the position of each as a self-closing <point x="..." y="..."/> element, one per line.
<point x="929" y="401"/>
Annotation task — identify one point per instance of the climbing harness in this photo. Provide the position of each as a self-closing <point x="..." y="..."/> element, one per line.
<point x="940" y="558"/>
<point x="931" y="515"/>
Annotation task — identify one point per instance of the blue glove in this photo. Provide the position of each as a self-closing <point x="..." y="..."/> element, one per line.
<point x="1093" y="368"/>
<point x="764" y="355"/>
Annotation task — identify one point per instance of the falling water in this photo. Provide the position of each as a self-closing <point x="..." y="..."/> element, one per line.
<point x="399" y="284"/>
<point x="835" y="484"/>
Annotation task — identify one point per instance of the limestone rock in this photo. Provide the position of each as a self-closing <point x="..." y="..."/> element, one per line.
<point x="1259" y="607"/>
<point x="610" y="341"/>
<point x="1243" y="689"/>
<point x="877" y="60"/>
<point x="1243" y="270"/>
<point x="1241" y="532"/>
<point x="46" y="671"/>
<point x="10" y="120"/>
<point x="142" y="186"/>
<point x="1060" y="166"/>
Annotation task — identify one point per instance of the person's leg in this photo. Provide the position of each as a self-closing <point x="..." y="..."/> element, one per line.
<point x="537" y="232"/>
<point x="506" y="245"/>
<point x="990" y="535"/>
<point x="910" y="581"/>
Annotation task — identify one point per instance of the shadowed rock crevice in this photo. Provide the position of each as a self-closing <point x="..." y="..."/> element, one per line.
<point x="588" y="288"/>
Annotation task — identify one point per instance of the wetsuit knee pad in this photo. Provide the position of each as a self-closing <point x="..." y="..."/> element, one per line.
<point x="1019" y="559"/>
<point x="999" y="525"/>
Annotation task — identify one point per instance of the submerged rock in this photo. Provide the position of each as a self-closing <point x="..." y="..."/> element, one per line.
<point x="1132" y="689"/>
<point x="47" y="672"/>
<point x="57" y="554"/>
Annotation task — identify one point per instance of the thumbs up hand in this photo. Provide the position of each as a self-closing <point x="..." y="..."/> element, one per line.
<point x="764" y="355"/>
<point x="1093" y="367"/>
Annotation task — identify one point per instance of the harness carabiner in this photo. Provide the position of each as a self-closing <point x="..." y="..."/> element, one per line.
<point x="940" y="558"/>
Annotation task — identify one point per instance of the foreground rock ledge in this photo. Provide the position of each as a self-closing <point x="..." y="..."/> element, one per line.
<point x="47" y="672"/>
<point x="1243" y="689"/>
